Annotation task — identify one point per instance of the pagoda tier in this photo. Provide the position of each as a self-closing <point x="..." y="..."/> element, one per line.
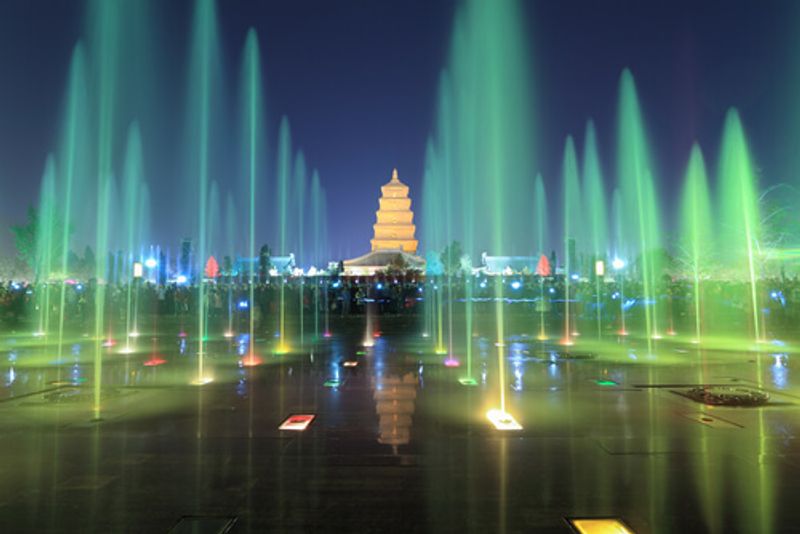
<point x="398" y="205"/>
<point x="394" y="228"/>
<point x="395" y="217"/>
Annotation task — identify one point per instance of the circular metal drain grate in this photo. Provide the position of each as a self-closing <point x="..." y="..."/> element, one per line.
<point x="728" y="396"/>
<point x="73" y="395"/>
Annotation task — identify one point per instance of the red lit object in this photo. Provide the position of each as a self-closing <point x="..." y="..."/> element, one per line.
<point x="451" y="362"/>
<point x="297" y="422"/>
<point x="212" y="268"/>
<point x="251" y="360"/>
<point x="543" y="267"/>
<point x="327" y="334"/>
<point x="154" y="361"/>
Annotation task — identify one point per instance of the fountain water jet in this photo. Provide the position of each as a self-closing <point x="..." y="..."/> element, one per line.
<point x="595" y="210"/>
<point x="739" y="212"/>
<point x="638" y="206"/>
<point x="696" y="229"/>
<point x="572" y="222"/>
<point x="284" y="173"/>
<point x="252" y="136"/>
<point x="202" y="105"/>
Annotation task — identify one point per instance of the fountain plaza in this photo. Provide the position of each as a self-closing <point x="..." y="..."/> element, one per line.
<point x="575" y="353"/>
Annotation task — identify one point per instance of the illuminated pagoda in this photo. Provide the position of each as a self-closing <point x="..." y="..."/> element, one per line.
<point x="393" y="241"/>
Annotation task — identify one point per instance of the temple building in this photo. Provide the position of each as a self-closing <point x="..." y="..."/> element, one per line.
<point x="393" y="241"/>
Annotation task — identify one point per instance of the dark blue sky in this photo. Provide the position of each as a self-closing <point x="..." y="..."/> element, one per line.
<point x="358" y="82"/>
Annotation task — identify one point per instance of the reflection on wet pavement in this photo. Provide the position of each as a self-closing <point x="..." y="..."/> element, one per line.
<point x="398" y="443"/>
<point x="394" y="402"/>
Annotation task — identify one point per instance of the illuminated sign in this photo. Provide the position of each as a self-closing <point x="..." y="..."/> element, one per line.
<point x="600" y="525"/>
<point x="599" y="268"/>
<point x="503" y="420"/>
<point x="298" y="422"/>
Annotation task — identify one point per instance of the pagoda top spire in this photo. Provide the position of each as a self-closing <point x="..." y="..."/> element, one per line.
<point x="394" y="176"/>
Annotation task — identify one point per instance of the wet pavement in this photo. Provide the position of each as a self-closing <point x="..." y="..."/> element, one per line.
<point x="397" y="444"/>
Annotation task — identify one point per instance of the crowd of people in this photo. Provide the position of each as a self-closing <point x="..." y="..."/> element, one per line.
<point x="340" y="296"/>
<point x="778" y="298"/>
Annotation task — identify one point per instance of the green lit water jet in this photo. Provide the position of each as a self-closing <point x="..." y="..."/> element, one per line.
<point x="203" y="75"/>
<point x="639" y="209"/>
<point x="540" y="203"/>
<point x="132" y="190"/>
<point x="696" y="228"/>
<point x="253" y="139"/>
<point x="572" y="222"/>
<point x="105" y="18"/>
<point x="46" y="232"/>
<point x="618" y="264"/>
<point x="483" y="142"/>
<point x="739" y="212"/>
<point x="73" y="156"/>
<point x="284" y="173"/>
<point x="299" y="193"/>
<point x="318" y="239"/>
<point x="595" y="211"/>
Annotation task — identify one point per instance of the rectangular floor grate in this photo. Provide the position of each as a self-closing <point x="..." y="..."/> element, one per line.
<point x="198" y="524"/>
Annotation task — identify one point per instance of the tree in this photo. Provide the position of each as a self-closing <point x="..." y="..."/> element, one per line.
<point x="451" y="258"/>
<point x="397" y="267"/>
<point x="264" y="262"/>
<point x="25" y="238"/>
<point x="227" y="266"/>
<point x="89" y="262"/>
<point x="433" y="264"/>
<point x="29" y="249"/>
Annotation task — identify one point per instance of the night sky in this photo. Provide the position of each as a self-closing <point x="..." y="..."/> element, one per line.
<point x="357" y="80"/>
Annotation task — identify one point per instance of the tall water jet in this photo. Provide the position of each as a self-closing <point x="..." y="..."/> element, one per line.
<point x="73" y="161"/>
<point x="213" y="219"/>
<point x="105" y="22"/>
<point x="596" y="216"/>
<point x="639" y="210"/>
<point x="253" y="143"/>
<point x="47" y="232"/>
<point x="572" y="224"/>
<point x="492" y="137"/>
<point x="434" y="241"/>
<point x="318" y="239"/>
<point x="445" y="164"/>
<point x="618" y="263"/>
<point x="133" y="176"/>
<point x="283" y="174"/>
<point x="739" y="212"/>
<point x="696" y="229"/>
<point x="231" y="229"/>
<point x="299" y="193"/>
<point x="203" y="74"/>
<point x="540" y="205"/>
